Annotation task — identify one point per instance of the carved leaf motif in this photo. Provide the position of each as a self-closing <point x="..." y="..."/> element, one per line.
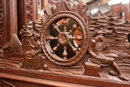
<point x="53" y="9"/>
<point x="79" y="7"/>
<point x="48" y="10"/>
<point x="62" y="6"/>
<point x="74" y="8"/>
<point x="84" y="13"/>
<point x="44" y="19"/>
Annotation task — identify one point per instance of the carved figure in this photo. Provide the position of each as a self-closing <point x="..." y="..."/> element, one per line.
<point x="98" y="51"/>
<point x="32" y="47"/>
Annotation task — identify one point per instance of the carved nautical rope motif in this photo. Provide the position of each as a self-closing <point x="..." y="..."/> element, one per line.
<point x="65" y="34"/>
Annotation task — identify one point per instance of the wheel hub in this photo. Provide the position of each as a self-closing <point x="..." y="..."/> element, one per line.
<point x="63" y="38"/>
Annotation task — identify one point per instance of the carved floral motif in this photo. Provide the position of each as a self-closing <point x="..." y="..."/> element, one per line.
<point x="28" y="10"/>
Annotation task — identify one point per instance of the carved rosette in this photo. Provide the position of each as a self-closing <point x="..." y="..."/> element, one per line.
<point x="65" y="35"/>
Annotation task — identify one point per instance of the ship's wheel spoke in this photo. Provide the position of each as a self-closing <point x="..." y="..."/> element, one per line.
<point x="79" y="38"/>
<point x="51" y="38"/>
<point x="55" y="48"/>
<point x="65" y="54"/>
<point x="78" y="48"/>
<point x="55" y="27"/>
<point x="65" y="24"/>
<point x="73" y="48"/>
<point x="74" y="27"/>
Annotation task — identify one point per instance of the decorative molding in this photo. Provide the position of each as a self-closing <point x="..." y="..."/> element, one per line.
<point x="17" y="83"/>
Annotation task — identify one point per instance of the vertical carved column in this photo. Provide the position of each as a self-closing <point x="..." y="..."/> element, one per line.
<point x="30" y="10"/>
<point x="13" y="17"/>
<point x="9" y="18"/>
<point x="39" y="9"/>
<point x="1" y="25"/>
<point x="34" y="2"/>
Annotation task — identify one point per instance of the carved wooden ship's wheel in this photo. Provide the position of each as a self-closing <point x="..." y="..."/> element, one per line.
<point x="65" y="36"/>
